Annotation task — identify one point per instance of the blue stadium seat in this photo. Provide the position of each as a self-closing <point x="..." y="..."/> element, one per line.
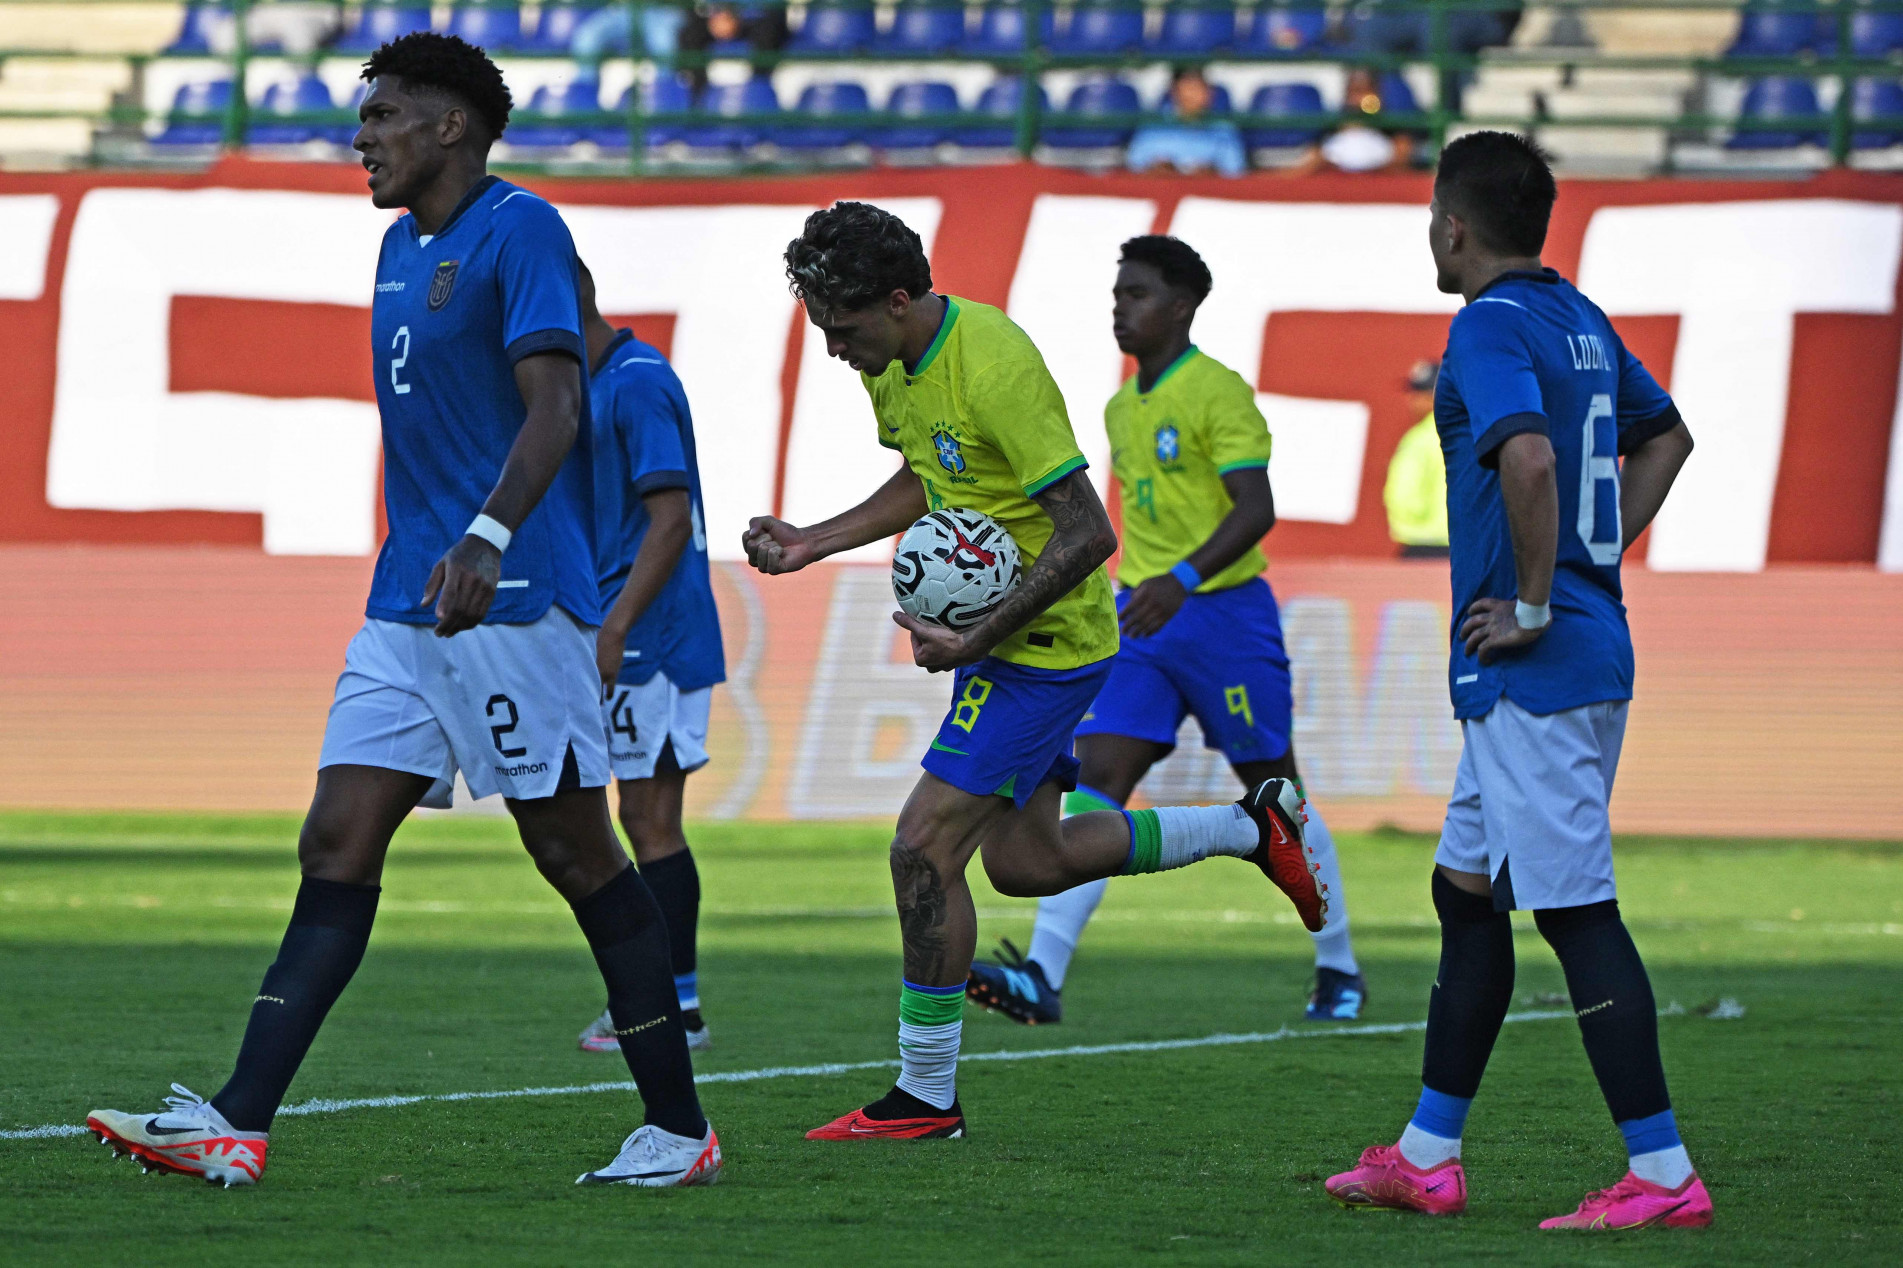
<point x="1871" y="34"/>
<point x="1001" y="31"/>
<point x="756" y="96"/>
<point x="382" y="22"/>
<point x="1771" y="33"/>
<point x="194" y="34"/>
<point x="496" y="27"/>
<point x="555" y="27"/>
<point x="924" y="26"/>
<point x="1411" y="30"/>
<point x="844" y="101"/>
<point x="1876" y="99"/>
<point x="1778" y="97"/>
<point x="835" y="28"/>
<point x="549" y="123"/>
<point x="1096" y="97"/>
<point x="1299" y="104"/>
<point x="198" y="114"/>
<point x="306" y="96"/>
<point x="1287" y="32"/>
<point x="909" y="101"/>
<point x="665" y="95"/>
<point x="1101" y="28"/>
<point x="1193" y="31"/>
<point x="1000" y="100"/>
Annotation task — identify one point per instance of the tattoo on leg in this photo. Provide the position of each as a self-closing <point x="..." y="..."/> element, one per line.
<point x="920" y="893"/>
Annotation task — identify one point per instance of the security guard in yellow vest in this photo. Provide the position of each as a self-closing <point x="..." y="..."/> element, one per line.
<point x="1416" y="492"/>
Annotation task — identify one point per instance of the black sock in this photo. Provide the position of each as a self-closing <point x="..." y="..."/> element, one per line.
<point x="330" y="926"/>
<point x="676" y="885"/>
<point x="1472" y="989"/>
<point x="1612" y="996"/>
<point x="624" y="928"/>
<point x="899" y="1103"/>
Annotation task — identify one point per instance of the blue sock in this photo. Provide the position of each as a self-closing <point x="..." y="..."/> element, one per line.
<point x="1649" y="1135"/>
<point x="687" y="987"/>
<point x="1439" y="1114"/>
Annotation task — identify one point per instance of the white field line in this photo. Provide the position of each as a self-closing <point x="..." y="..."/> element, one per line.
<point x="328" y="1106"/>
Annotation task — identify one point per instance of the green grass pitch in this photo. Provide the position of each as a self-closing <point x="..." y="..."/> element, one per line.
<point x="130" y="947"/>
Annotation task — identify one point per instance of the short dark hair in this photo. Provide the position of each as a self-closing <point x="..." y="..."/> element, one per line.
<point x="1502" y="185"/>
<point x="446" y="63"/>
<point x="850" y="255"/>
<point x="1175" y="259"/>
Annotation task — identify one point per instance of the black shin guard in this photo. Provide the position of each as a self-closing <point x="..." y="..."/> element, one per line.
<point x="330" y="926"/>
<point x="675" y="882"/>
<point x="1612" y="997"/>
<point x="1472" y="989"/>
<point x="625" y="930"/>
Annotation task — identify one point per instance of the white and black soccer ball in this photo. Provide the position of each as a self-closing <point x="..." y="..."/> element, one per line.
<point x="953" y="566"/>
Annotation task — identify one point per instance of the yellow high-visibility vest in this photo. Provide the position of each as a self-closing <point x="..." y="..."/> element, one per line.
<point x="1416" y="492"/>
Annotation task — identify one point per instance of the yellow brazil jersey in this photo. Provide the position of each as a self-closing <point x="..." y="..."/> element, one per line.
<point x="982" y="425"/>
<point x="1170" y="448"/>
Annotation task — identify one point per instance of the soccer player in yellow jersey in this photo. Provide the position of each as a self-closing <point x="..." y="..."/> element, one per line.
<point x="1201" y="634"/>
<point x="964" y="396"/>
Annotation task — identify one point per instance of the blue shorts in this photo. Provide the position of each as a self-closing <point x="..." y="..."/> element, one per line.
<point x="1221" y="658"/>
<point x="1010" y="725"/>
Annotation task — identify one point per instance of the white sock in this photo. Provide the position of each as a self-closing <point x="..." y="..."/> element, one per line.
<point x="928" y="1057"/>
<point x="1060" y="923"/>
<point x="1190" y="834"/>
<point x="1426" y="1150"/>
<point x="1333" y="950"/>
<point x="1667" y="1167"/>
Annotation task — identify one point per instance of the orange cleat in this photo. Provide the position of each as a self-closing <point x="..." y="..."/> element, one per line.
<point x="1279" y="813"/>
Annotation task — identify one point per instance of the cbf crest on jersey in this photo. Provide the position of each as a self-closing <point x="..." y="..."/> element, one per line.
<point x="442" y="284"/>
<point x="1169" y="443"/>
<point x="950" y="456"/>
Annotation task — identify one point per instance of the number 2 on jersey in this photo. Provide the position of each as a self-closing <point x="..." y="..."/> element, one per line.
<point x="1599" y="477"/>
<point x="400" y="360"/>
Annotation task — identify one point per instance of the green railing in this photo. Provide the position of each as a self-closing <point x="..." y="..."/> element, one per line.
<point x="1030" y="62"/>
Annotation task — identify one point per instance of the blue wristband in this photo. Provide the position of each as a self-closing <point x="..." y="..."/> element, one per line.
<point x="1187" y="574"/>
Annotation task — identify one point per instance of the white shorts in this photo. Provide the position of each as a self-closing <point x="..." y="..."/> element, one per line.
<point x="1530" y="804"/>
<point x="504" y="704"/>
<point x="641" y="720"/>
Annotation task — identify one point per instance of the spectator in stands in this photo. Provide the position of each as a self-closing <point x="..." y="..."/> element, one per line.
<point x="1416" y="491"/>
<point x="1355" y="146"/>
<point x="610" y="31"/>
<point x="1191" y="142"/>
<point x="762" y="27"/>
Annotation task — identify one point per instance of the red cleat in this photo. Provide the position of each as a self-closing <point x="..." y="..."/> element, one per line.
<point x="856" y="1126"/>
<point x="1279" y="813"/>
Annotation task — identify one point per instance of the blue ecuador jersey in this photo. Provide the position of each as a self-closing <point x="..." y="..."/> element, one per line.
<point x="1531" y="354"/>
<point x="644" y="442"/>
<point x="453" y="314"/>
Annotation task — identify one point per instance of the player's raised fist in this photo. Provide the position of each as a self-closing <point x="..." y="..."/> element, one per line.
<point x="462" y="585"/>
<point x="774" y="546"/>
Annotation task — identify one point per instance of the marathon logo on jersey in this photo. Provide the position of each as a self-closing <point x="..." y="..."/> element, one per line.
<point x="442" y="284"/>
<point x="950" y="456"/>
<point x="1169" y="444"/>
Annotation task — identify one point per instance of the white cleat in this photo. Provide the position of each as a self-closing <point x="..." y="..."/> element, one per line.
<point x="190" y="1137"/>
<point x="600" y="1034"/>
<point x="656" y="1159"/>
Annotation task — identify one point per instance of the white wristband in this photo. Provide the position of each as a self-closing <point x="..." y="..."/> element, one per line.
<point x="490" y="530"/>
<point x="1533" y="616"/>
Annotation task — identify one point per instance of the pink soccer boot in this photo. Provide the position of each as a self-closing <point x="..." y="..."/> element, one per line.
<point x="1636" y="1203"/>
<point x="1383" y="1178"/>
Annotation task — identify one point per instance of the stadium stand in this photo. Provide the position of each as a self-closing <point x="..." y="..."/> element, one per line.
<point x="381" y="22"/>
<point x="918" y="100"/>
<point x="496" y="27"/>
<point x="304" y="96"/>
<point x="1192" y="31"/>
<point x="923" y="27"/>
<point x="846" y="110"/>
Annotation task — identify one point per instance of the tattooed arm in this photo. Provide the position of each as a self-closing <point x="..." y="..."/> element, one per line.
<point x="1081" y="540"/>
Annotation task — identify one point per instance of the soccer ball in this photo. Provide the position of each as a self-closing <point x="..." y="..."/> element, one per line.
<point x="953" y="566"/>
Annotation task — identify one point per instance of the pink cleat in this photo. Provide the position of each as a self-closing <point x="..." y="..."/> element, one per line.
<point x="1383" y="1178"/>
<point x="1636" y="1203"/>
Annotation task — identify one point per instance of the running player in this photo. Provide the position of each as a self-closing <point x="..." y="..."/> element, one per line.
<point x="1537" y="403"/>
<point x="478" y="651"/>
<point x="1201" y="634"/>
<point x="659" y="648"/>
<point x="962" y="394"/>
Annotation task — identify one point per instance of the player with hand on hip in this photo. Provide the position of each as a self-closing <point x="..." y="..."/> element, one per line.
<point x="1201" y="633"/>
<point x="478" y="651"/>
<point x="1538" y="406"/>
<point x="960" y="392"/>
<point x="659" y="650"/>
